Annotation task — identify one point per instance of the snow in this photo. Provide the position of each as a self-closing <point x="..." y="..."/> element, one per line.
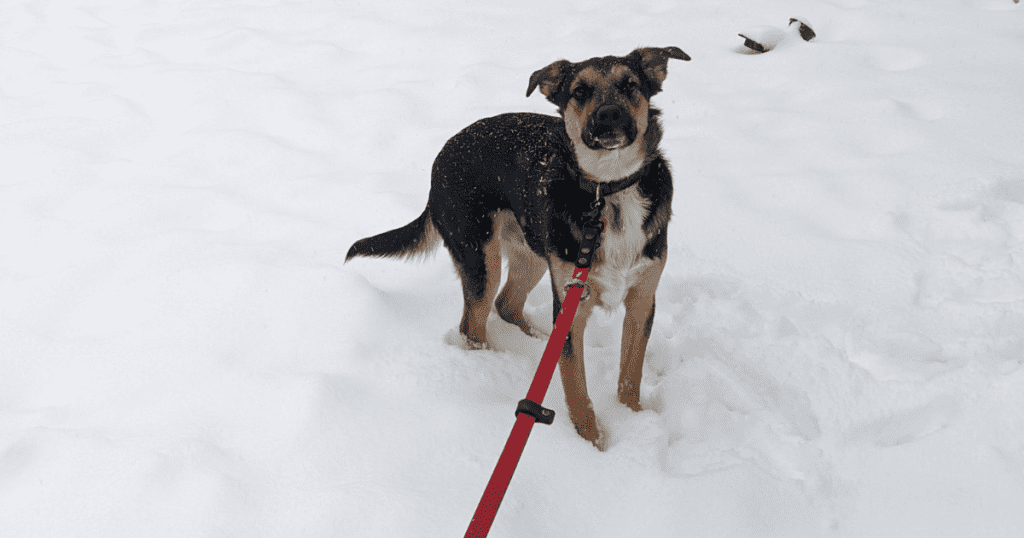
<point x="838" y="348"/>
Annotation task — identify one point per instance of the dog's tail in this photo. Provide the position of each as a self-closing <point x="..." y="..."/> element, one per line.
<point x="417" y="238"/>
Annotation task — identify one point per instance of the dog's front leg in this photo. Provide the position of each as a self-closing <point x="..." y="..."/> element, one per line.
<point x="574" y="381"/>
<point x="636" y="331"/>
<point x="570" y="363"/>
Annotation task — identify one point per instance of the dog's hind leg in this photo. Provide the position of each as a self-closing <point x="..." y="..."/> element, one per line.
<point x="480" y="270"/>
<point x="524" y="272"/>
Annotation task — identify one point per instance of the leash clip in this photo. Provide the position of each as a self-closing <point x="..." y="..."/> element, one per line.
<point x="596" y="206"/>
<point x="577" y="282"/>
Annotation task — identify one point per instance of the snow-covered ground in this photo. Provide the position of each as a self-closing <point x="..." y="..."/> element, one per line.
<point x="839" y="346"/>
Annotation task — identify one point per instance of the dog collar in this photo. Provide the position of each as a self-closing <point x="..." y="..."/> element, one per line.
<point x="611" y="187"/>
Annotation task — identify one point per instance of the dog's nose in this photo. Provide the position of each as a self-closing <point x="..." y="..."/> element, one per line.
<point x="610" y="116"/>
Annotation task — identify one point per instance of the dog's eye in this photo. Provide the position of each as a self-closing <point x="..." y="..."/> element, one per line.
<point x="582" y="92"/>
<point x="628" y="86"/>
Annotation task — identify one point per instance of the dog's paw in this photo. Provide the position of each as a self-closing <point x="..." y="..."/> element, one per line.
<point x="630" y="397"/>
<point x="459" y="340"/>
<point x="540" y="333"/>
<point x="587" y="427"/>
<point x="592" y="434"/>
<point x="524" y="325"/>
<point x="535" y="332"/>
<point x="599" y="440"/>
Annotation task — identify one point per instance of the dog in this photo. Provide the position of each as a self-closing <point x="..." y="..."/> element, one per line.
<point x="518" y="186"/>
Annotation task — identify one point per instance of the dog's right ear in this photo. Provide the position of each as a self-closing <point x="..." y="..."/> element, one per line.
<point x="654" y="61"/>
<point x="549" y="79"/>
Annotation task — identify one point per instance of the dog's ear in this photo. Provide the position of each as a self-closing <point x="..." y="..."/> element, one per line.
<point x="654" y="62"/>
<point x="549" y="79"/>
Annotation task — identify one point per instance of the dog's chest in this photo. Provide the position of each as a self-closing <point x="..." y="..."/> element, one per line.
<point x="619" y="259"/>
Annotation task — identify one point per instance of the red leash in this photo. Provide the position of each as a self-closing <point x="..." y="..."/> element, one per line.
<point x="529" y="410"/>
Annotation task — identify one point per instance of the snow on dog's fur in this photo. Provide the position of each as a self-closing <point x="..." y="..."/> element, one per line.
<point x="519" y="186"/>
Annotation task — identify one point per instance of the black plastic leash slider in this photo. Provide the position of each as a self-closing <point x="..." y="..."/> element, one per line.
<point x="539" y="413"/>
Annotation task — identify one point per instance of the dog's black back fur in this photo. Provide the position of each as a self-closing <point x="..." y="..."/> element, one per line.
<point x="521" y="162"/>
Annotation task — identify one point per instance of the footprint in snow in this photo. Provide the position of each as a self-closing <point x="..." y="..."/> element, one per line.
<point x="894" y="58"/>
<point x="1009" y="190"/>
<point x="909" y="425"/>
<point x="918" y="109"/>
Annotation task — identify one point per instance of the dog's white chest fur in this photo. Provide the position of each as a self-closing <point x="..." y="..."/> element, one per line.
<point x="620" y="260"/>
<point x="610" y="165"/>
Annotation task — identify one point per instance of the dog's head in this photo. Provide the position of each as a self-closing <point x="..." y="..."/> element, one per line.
<point x="605" y="104"/>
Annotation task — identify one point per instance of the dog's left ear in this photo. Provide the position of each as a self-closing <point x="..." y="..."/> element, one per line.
<point x="654" y="62"/>
<point x="549" y="79"/>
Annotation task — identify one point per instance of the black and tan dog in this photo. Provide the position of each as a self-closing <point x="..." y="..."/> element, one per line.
<point x="518" y="185"/>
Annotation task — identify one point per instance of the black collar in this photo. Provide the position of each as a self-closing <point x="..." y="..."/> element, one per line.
<point x="611" y="187"/>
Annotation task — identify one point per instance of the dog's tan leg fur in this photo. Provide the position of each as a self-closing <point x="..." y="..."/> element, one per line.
<point x="570" y="363"/>
<point x="524" y="272"/>
<point x="636" y="330"/>
<point x="574" y="380"/>
<point x="476" y="309"/>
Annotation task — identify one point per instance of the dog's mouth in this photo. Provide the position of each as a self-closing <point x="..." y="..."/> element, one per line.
<point x="612" y="140"/>
<point x="607" y="138"/>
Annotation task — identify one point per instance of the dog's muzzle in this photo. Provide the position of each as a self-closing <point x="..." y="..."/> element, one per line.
<point x="609" y="127"/>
